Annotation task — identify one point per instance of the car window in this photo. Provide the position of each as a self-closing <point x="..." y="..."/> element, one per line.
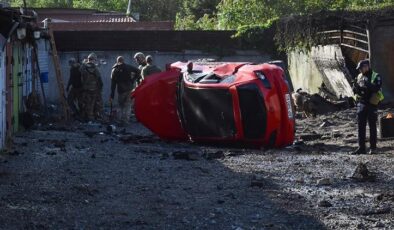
<point x="207" y="112"/>
<point x="253" y="111"/>
<point x="228" y="79"/>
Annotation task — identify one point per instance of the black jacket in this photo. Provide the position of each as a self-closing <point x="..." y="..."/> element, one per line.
<point x="75" y="77"/>
<point x="123" y="77"/>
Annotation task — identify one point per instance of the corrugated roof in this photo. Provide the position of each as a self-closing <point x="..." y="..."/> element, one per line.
<point x="88" y="18"/>
<point x="81" y="15"/>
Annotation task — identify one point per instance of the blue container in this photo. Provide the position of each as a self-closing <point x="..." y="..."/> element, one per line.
<point x="44" y="77"/>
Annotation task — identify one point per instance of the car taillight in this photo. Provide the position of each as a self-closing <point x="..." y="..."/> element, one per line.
<point x="289" y="106"/>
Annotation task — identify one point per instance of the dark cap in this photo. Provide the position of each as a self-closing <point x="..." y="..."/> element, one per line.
<point x="362" y="63"/>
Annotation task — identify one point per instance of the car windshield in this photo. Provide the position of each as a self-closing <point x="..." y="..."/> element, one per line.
<point x="253" y="111"/>
<point x="206" y="112"/>
<point x="208" y="78"/>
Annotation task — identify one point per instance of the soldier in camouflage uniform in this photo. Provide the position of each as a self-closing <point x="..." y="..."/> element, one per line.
<point x="150" y="68"/>
<point x="141" y="61"/>
<point x="92" y="85"/>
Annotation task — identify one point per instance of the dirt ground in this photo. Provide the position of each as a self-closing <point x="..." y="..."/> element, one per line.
<point x="81" y="176"/>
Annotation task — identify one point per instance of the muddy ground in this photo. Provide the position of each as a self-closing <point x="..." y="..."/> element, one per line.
<point x="80" y="176"/>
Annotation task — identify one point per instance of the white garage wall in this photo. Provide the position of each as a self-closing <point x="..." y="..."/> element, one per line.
<point x="160" y="59"/>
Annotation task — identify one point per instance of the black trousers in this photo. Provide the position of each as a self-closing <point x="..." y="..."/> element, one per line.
<point x="367" y="113"/>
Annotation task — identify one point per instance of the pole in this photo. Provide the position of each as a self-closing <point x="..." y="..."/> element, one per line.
<point x="368" y="30"/>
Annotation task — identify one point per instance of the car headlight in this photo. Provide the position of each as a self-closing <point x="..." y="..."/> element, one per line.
<point x="264" y="79"/>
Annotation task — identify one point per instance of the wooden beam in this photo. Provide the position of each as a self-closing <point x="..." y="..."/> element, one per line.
<point x="59" y="78"/>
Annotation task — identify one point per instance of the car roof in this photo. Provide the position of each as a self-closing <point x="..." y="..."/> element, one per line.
<point x="224" y="68"/>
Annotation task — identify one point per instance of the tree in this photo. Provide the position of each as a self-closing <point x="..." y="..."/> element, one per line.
<point x="198" y="8"/>
<point x="211" y="14"/>
<point x="197" y="15"/>
<point x="233" y="14"/>
<point x="43" y="3"/>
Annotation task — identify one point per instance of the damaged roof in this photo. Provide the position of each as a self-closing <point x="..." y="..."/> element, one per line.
<point x="66" y="19"/>
<point x="81" y="15"/>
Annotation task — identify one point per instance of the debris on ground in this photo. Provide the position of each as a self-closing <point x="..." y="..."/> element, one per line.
<point x="127" y="178"/>
<point x="361" y="173"/>
<point x="314" y="104"/>
<point x="324" y="182"/>
<point x="186" y="155"/>
<point x="324" y="204"/>
<point x="257" y="181"/>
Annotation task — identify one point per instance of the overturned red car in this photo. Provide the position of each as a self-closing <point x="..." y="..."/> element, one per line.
<point x="218" y="102"/>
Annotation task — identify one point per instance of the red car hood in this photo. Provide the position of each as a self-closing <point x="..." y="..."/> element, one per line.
<point x="155" y="105"/>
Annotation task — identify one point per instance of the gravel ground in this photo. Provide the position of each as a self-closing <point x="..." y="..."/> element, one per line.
<point x="80" y="176"/>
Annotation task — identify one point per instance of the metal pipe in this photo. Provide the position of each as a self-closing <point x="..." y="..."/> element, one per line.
<point x="348" y="38"/>
<point x="354" y="47"/>
<point x="352" y="32"/>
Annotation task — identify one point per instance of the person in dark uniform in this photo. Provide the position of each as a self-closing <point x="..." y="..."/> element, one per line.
<point x="74" y="97"/>
<point x="123" y="78"/>
<point x="368" y="91"/>
<point x="150" y="68"/>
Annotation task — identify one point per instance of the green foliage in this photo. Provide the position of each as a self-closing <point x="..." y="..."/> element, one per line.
<point x="186" y="22"/>
<point x="257" y="22"/>
<point x="189" y="22"/>
<point x="234" y="14"/>
<point x="197" y="15"/>
<point x="258" y="36"/>
<point x="198" y="8"/>
<point x="43" y="3"/>
<point x="305" y="31"/>
<point x="206" y="22"/>
<point x="292" y="23"/>
<point x="155" y="10"/>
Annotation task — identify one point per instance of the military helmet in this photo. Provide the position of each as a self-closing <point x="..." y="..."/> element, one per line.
<point x="139" y="55"/>
<point x="149" y="59"/>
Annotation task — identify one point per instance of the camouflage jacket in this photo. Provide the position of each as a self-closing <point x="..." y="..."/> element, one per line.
<point x="91" y="78"/>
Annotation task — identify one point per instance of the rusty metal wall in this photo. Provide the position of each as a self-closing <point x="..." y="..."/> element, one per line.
<point x="382" y="55"/>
